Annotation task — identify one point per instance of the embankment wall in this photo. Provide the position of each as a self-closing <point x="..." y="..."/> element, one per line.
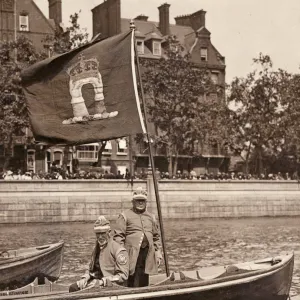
<point x="84" y="200"/>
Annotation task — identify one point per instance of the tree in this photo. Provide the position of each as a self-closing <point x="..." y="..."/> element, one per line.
<point x="14" y="56"/>
<point x="178" y="102"/>
<point x="102" y="145"/>
<point x="291" y="120"/>
<point x="258" y="123"/>
<point x="65" y="39"/>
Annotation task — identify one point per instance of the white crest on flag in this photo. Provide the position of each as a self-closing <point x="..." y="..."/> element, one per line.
<point x="86" y="71"/>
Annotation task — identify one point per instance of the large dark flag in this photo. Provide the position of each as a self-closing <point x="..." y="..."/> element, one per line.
<point x="85" y="95"/>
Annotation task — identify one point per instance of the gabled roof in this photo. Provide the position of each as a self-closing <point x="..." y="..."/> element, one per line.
<point x="154" y="36"/>
<point x="49" y="21"/>
<point x="151" y="31"/>
<point x="144" y="27"/>
<point x="203" y="31"/>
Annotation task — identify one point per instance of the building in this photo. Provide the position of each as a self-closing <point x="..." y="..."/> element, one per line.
<point x="23" y="17"/>
<point x="192" y="33"/>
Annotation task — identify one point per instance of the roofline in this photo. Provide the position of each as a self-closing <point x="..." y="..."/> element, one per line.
<point x="47" y="20"/>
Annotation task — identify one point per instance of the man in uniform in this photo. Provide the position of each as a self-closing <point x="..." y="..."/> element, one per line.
<point x="137" y="230"/>
<point x="109" y="261"/>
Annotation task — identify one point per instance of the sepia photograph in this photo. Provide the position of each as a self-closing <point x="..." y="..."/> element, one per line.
<point x="149" y="149"/>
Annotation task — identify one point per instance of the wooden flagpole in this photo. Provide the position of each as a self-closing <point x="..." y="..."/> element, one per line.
<point x="131" y="168"/>
<point x="132" y="27"/>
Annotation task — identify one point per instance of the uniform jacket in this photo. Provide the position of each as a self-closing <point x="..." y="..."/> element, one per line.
<point x="130" y="230"/>
<point x="112" y="260"/>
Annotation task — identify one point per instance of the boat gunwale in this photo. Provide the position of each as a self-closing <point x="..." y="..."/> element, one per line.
<point x="4" y="264"/>
<point x="172" y="288"/>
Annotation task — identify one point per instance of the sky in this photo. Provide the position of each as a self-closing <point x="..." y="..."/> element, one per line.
<point x="240" y="29"/>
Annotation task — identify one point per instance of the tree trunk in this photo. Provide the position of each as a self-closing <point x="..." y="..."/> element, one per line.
<point x="8" y="153"/>
<point x="247" y="159"/>
<point x="170" y="159"/>
<point x="170" y="166"/>
<point x="65" y="158"/>
<point x="259" y="160"/>
<point x="102" y="146"/>
<point x="175" y="164"/>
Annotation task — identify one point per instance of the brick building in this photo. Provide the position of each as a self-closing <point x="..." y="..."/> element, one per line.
<point x="23" y="17"/>
<point x="192" y="33"/>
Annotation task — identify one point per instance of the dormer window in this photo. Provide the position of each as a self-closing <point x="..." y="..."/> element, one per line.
<point x="203" y="54"/>
<point x="24" y="22"/>
<point x="156" y="48"/>
<point x="140" y="47"/>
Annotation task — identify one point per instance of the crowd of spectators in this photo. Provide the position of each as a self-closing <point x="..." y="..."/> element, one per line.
<point x="60" y="174"/>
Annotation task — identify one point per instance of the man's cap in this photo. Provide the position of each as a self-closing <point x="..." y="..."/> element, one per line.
<point x="139" y="194"/>
<point x="101" y="225"/>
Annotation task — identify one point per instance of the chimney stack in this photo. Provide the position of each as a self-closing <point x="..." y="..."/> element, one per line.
<point x="195" y="20"/>
<point x="141" y="18"/>
<point x="55" y="11"/>
<point x="107" y="18"/>
<point x="164" y="19"/>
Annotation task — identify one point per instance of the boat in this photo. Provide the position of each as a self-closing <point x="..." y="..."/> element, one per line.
<point x="267" y="279"/>
<point x="20" y="267"/>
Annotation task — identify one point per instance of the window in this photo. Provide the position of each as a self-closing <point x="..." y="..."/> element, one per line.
<point x="122" y="147"/>
<point x="31" y="160"/>
<point x="57" y="157"/>
<point x="87" y="152"/>
<point x="215" y="77"/>
<point x="108" y="148"/>
<point x="203" y="54"/>
<point x="24" y="22"/>
<point x="156" y="48"/>
<point x="140" y="47"/>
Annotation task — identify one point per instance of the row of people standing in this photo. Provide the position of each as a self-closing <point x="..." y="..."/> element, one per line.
<point x="129" y="254"/>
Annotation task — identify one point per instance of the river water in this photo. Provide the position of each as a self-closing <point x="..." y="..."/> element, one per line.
<point x="190" y="244"/>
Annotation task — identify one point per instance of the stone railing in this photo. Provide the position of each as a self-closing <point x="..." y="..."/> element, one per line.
<point x="84" y="200"/>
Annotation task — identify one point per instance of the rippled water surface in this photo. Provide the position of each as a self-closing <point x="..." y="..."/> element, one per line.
<point x="190" y="243"/>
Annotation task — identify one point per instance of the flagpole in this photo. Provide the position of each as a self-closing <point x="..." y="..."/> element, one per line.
<point x="15" y="30"/>
<point x="132" y="27"/>
<point x="130" y="160"/>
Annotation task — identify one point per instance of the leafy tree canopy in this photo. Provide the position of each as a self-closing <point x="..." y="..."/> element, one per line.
<point x="258" y="124"/>
<point x="178" y="101"/>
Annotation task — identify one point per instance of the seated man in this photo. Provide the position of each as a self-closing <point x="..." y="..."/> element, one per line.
<point x="109" y="261"/>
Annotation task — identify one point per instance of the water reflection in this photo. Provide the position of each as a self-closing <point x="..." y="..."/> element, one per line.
<point x="190" y="243"/>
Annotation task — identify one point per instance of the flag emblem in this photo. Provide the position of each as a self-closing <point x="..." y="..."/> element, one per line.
<point x="82" y="73"/>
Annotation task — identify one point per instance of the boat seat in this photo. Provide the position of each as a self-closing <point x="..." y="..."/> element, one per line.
<point x="233" y="270"/>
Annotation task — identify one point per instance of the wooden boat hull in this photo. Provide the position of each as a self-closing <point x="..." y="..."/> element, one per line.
<point x="262" y="280"/>
<point x="22" y="266"/>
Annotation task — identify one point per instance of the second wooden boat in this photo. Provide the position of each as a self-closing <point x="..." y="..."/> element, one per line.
<point x="20" y="267"/>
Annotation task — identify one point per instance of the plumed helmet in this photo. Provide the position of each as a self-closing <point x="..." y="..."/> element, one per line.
<point x="101" y="225"/>
<point x="140" y="194"/>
